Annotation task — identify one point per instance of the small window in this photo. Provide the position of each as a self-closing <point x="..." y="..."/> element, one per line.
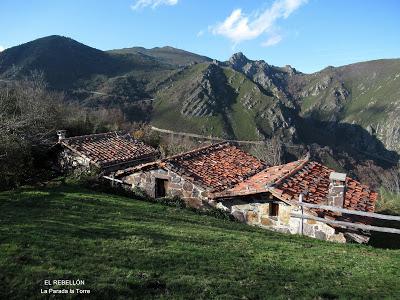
<point x="161" y="187"/>
<point x="273" y="209"/>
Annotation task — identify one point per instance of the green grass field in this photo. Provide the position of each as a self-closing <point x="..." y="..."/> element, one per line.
<point x="125" y="248"/>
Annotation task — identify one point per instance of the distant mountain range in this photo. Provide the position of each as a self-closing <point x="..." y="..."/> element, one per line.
<point x="356" y="106"/>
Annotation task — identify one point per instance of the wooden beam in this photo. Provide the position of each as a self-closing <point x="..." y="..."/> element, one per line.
<point x="348" y="211"/>
<point x="348" y="224"/>
<point x="113" y="179"/>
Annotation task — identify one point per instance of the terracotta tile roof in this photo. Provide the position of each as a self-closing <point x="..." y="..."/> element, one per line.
<point x="313" y="179"/>
<point x="106" y="149"/>
<point x="260" y="182"/>
<point x="216" y="167"/>
<point x="287" y="181"/>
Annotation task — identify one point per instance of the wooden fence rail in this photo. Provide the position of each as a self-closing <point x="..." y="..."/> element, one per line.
<point x="112" y="179"/>
<point x="344" y="223"/>
<point x="349" y="211"/>
<point x="348" y="224"/>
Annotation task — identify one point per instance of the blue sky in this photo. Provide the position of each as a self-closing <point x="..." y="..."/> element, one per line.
<point x="308" y="35"/>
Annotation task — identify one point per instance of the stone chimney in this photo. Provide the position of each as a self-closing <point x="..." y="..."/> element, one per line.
<point x="61" y="134"/>
<point x="337" y="189"/>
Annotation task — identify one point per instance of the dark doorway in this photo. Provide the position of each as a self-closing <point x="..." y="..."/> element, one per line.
<point x="273" y="209"/>
<point x="161" y="187"/>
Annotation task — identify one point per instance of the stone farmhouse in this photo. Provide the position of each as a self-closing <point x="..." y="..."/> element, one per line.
<point x="225" y="177"/>
<point x="314" y="183"/>
<point x="105" y="152"/>
<point x="195" y="175"/>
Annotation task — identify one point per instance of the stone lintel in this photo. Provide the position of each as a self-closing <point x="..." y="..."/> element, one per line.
<point x="335" y="176"/>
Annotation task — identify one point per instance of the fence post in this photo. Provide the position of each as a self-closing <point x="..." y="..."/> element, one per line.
<point x="302" y="212"/>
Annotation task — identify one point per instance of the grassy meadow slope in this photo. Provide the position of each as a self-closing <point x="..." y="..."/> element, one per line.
<point x="127" y="248"/>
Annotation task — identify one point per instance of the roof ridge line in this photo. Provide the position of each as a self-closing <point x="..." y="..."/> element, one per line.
<point x="78" y="137"/>
<point x="194" y="151"/>
<point x="162" y="162"/>
<point x="140" y="167"/>
<point x="302" y="163"/>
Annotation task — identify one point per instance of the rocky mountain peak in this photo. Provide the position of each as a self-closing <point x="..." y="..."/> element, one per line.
<point x="208" y="94"/>
<point x="238" y="60"/>
<point x="290" y="70"/>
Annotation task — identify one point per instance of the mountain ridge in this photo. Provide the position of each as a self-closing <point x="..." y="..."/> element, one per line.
<point x="237" y="98"/>
<point x="166" y="54"/>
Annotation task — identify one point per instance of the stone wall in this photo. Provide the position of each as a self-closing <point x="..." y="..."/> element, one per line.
<point x="193" y="195"/>
<point x="314" y="228"/>
<point x="257" y="213"/>
<point x="70" y="162"/>
<point x="252" y="211"/>
<point x="336" y="193"/>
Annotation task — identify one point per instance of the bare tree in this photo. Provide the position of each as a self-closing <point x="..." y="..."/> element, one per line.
<point x="28" y="109"/>
<point x="391" y="180"/>
<point x="30" y="114"/>
<point x="173" y="144"/>
<point x="270" y="151"/>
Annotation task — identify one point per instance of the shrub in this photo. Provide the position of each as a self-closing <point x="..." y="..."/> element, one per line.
<point x="171" y="201"/>
<point x="389" y="202"/>
<point x="15" y="161"/>
<point x="218" y="213"/>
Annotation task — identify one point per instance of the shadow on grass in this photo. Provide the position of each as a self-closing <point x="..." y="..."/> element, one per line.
<point x="88" y="218"/>
<point x="383" y="239"/>
<point x="133" y="249"/>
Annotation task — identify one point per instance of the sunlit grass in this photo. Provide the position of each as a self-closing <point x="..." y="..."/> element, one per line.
<point x="127" y="248"/>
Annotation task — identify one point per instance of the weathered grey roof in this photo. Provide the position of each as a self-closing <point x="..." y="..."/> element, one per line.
<point x="109" y="148"/>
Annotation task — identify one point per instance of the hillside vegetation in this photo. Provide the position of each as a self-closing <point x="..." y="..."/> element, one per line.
<point x="239" y="98"/>
<point x="366" y="93"/>
<point x="30" y="115"/>
<point x="215" y="100"/>
<point x="346" y="117"/>
<point x="125" y="248"/>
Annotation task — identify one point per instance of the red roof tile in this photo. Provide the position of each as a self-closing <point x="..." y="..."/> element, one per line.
<point x="259" y="182"/>
<point x="110" y="148"/>
<point x="217" y="167"/>
<point x="287" y="181"/>
<point x="313" y="180"/>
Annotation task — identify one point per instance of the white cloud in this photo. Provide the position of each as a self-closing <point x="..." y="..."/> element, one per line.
<point x="200" y="33"/>
<point x="239" y="27"/>
<point x="272" y="40"/>
<point x="152" y="3"/>
<point x="2" y="48"/>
